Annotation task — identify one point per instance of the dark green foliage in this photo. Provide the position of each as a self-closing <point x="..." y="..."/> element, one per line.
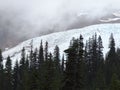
<point x="93" y="58"/>
<point x="8" y="75"/>
<point x="57" y="69"/>
<point x="63" y="64"/>
<point x="21" y="71"/>
<point x="46" y="51"/>
<point x="16" y="77"/>
<point x="100" y="78"/>
<point x="70" y="72"/>
<point x="115" y="83"/>
<point x="83" y="67"/>
<point x="100" y="75"/>
<point x="57" y="58"/>
<point x="112" y="61"/>
<point x="1" y="58"/>
<point x="1" y="71"/>
<point x="41" y="55"/>
<point x="49" y="75"/>
<point x="74" y="66"/>
<point x="33" y="71"/>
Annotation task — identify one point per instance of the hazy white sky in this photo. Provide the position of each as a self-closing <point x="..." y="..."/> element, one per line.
<point x="30" y="18"/>
<point x="41" y="14"/>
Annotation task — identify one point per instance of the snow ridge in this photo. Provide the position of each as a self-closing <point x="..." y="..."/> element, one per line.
<point x="62" y="39"/>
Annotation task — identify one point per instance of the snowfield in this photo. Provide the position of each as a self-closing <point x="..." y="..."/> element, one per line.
<point x="62" y="39"/>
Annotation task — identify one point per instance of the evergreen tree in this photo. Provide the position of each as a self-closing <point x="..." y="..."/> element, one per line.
<point x="22" y="61"/>
<point x="100" y="78"/>
<point x="115" y="83"/>
<point x="94" y="57"/>
<point x="88" y="52"/>
<point x="74" y="66"/>
<point x="112" y="61"/>
<point x="80" y="73"/>
<point x="70" y="72"/>
<point x="46" y="51"/>
<point x="83" y="68"/>
<point x="63" y="64"/>
<point x="35" y="60"/>
<point x="1" y="71"/>
<point x="91" y="61"/>
<point x="118" y="67"/>
<point x="27" y="74"/>
<point x="33" y="71"/>
<point x="22" y="70"/>
<point x="57" y="69"/>
<point x="8" y="75"/>
<point x="100" y="53"/>
<point x="49" y="85"/>
<point x="16" y="77"/>
<point x="41" y="55"/>
<point x="31" y="57"/>
<point x="1" y="57"/>
<point x="57" y="58"/>
<point x="42" y="66"/>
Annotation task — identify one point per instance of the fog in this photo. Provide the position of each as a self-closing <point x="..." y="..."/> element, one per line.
<point x="23" y="19"/>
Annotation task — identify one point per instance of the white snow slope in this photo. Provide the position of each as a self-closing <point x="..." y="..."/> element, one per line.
<point x="62" y="39"/>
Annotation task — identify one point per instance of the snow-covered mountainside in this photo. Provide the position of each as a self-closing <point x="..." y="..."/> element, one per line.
<point x="62" y="39"/>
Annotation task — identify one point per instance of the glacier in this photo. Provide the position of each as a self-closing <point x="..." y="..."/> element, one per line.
<point x="63" y="38"/>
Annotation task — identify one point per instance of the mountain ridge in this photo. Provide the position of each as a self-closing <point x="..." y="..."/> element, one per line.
<point x="63" y="38"/>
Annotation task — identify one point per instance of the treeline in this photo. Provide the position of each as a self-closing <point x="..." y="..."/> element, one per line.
<point x="83" y="67"/>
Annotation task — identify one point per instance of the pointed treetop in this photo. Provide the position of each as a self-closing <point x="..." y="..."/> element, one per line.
<point x="112" y="41"/>
<point x="1" y="58"/>
<point x="81" y="37"/>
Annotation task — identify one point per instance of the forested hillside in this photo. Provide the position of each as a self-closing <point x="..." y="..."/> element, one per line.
<point x="83" y="67"/>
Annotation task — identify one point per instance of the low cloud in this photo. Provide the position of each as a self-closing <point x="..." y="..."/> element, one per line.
<point x="29" y="18"/>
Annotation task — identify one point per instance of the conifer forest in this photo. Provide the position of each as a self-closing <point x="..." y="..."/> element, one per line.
<point x="83" y="66"/>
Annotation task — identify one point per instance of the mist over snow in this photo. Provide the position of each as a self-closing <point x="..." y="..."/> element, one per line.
<point x="23" y="19"/>
<point x="62" y="39"/>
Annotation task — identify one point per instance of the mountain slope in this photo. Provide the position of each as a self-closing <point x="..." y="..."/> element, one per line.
<point x="62" y="39"/>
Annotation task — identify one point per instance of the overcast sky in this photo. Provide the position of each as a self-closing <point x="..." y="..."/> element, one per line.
<point x="50" y="13"/>
<point x="26" y="18"/>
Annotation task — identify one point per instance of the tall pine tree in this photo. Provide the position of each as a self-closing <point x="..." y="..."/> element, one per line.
<point x="8" y="75"/>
